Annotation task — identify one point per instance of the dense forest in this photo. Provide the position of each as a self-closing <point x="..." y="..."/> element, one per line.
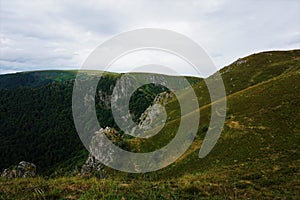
<point x="37" y="123"/>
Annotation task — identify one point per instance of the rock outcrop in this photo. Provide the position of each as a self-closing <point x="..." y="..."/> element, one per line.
<point x="155" y="114"/>
<point x="92" y="166"/>
<point x="98" y="148"/>
<point x="22" y="170"/>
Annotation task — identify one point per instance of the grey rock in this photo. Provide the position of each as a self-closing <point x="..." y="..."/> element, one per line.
<point x="155" y="114"/>
<point x="22" y="170"/>
<point x="26" y="169"/>
<point x="92" y="166"/>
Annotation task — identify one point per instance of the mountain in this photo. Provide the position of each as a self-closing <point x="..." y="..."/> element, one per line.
<point x="36" y="117"/>
<point x="257" y="155"/>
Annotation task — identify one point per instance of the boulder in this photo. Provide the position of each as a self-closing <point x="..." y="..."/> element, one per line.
<point x="22" y="170"/>
<point x="26" y="169"/>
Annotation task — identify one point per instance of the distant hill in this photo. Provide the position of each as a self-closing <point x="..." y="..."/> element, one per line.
<point x="34" y="79"/>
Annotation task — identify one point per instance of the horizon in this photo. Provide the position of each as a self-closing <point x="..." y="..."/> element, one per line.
<point x="153" y="72"/>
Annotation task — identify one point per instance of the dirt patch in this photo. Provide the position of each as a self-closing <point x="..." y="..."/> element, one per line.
<point x="235" y="125"/>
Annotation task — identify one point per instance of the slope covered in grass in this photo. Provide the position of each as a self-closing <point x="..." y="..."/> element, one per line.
<point x="257" y="155"/>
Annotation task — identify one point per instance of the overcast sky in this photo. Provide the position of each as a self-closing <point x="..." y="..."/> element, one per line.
<point x="37" y="35"/>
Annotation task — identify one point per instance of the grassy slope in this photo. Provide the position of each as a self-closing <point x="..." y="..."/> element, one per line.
<point x="257" y="155"/>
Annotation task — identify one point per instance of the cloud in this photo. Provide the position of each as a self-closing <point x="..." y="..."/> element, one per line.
<point x="61" y="34"/>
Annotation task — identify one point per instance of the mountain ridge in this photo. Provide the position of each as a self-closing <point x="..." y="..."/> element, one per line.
<point x="257" y="155"/>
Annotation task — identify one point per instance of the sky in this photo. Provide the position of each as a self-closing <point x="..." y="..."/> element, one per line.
<point x="58" y="34"/>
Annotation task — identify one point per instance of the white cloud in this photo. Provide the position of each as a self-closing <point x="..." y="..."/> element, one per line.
<point x="60" y="34"/>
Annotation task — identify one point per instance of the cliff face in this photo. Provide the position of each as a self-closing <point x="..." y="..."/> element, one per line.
<point x="112" y="96"/>
<point x="150" y="118"/>
<point x="92" y="166"/>
<point x="155" y="114"/>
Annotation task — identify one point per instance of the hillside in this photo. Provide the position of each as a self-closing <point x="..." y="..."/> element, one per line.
<point x="36" y="117"/>
<point x="257" y="155"/>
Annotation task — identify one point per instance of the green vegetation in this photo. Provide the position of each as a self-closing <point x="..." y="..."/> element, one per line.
<point x="37" y="123"/>
<point x="257" y="155"/>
